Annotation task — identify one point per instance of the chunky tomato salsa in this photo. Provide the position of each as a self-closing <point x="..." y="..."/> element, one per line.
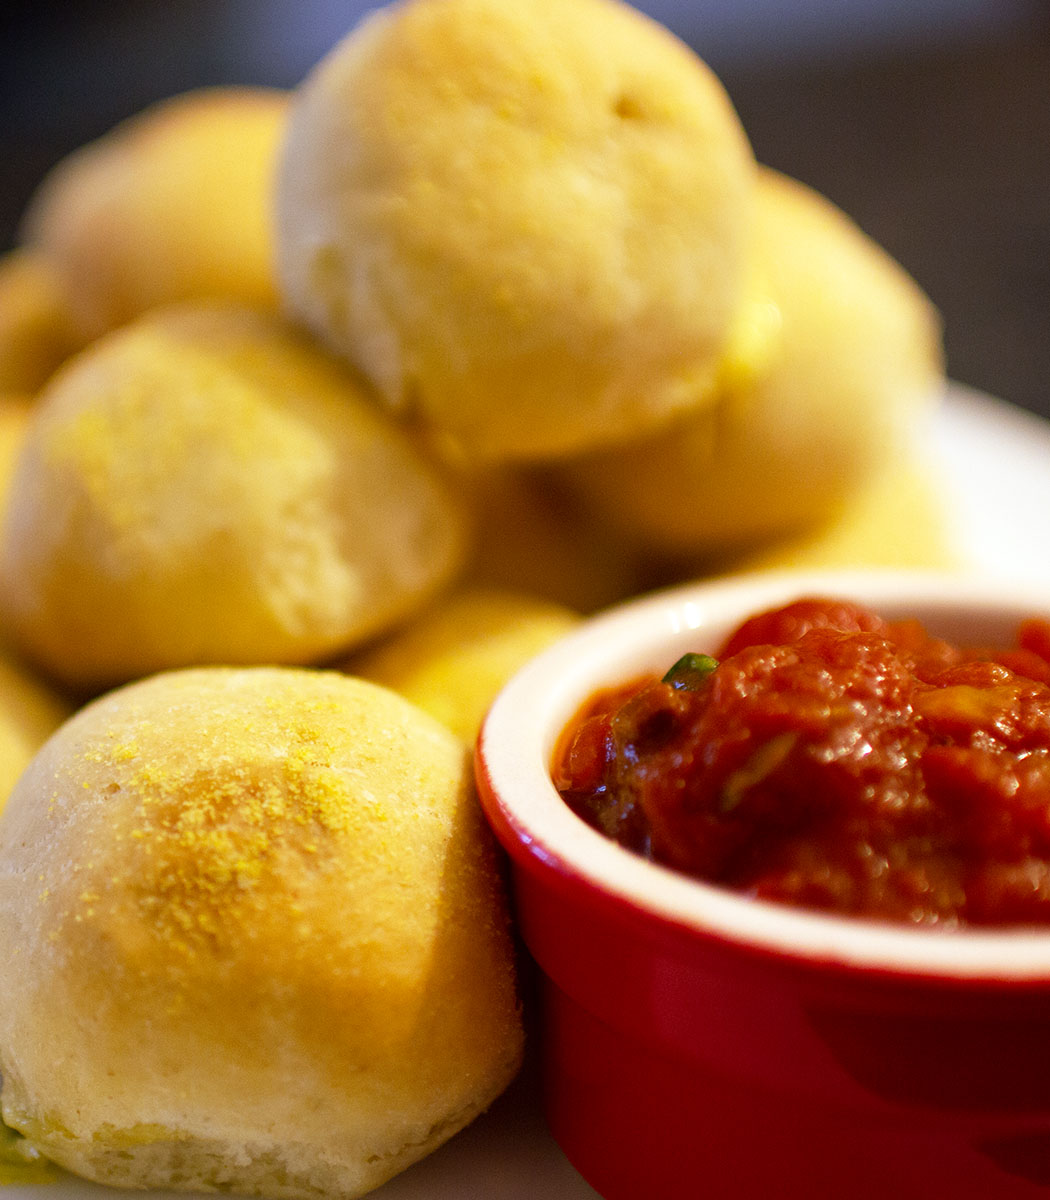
<point x="828" y="758"/>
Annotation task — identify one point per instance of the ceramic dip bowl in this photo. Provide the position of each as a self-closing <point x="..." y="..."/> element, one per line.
<point x="700" y="1043"/>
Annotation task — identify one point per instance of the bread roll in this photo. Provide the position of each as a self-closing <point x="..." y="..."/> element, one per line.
<point x="173" y="204"/>
<point x="524" y="222"/>
<point x="532" y="538"/>
<point x="253" y="936"/>
<point x="854" y="367"/>
<point x="897" y="519"/>
<point x="36" y="325"/>
<point x="204" y="487"/>
<point x="454" y="658"/>
<point x="30" y="712"/>
<point x="15" y="414"/>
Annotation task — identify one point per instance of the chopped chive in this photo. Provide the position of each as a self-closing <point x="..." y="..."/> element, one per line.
<point x="690" y="672"/>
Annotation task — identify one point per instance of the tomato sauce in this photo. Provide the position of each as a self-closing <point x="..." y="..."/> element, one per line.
<point x="831" y="759"/>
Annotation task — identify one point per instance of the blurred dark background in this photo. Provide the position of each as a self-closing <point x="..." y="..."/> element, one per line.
<point x="927" y="120"/>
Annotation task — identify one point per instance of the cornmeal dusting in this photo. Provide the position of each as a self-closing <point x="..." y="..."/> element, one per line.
<point x="227" y="808"/>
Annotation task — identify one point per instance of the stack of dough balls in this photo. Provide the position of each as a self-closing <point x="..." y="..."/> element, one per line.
<point x="254" y="937"/>
<point x="321" y="412"/>
<point x="539" y="231"/>
<point x="536" y="238"/>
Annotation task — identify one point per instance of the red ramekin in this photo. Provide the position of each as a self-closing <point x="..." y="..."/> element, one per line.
<point x="700" y="1044"/>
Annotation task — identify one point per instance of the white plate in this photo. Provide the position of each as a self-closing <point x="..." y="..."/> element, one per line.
<point x="994" y="460"/>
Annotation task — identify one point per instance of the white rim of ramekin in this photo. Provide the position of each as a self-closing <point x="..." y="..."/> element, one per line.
<point x="518" y="736"/>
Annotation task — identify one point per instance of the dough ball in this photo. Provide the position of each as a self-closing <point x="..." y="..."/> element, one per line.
<point x="853" y="368"/>
<point x="523" y="222"/>
<point x="30" y="712"/>
<point x="255" y="938"/>
<point x="173" y="204"/>
<point x="897" y="519"/>
<point x="531" y="537"/>
<point x="454" y="658"/>
<point x="15" y="414"/>
<point x="36" y="326"/>
<point x="203" y="487"/>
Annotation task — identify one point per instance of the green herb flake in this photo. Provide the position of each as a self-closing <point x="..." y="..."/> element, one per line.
<point x="691" y="672"/>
